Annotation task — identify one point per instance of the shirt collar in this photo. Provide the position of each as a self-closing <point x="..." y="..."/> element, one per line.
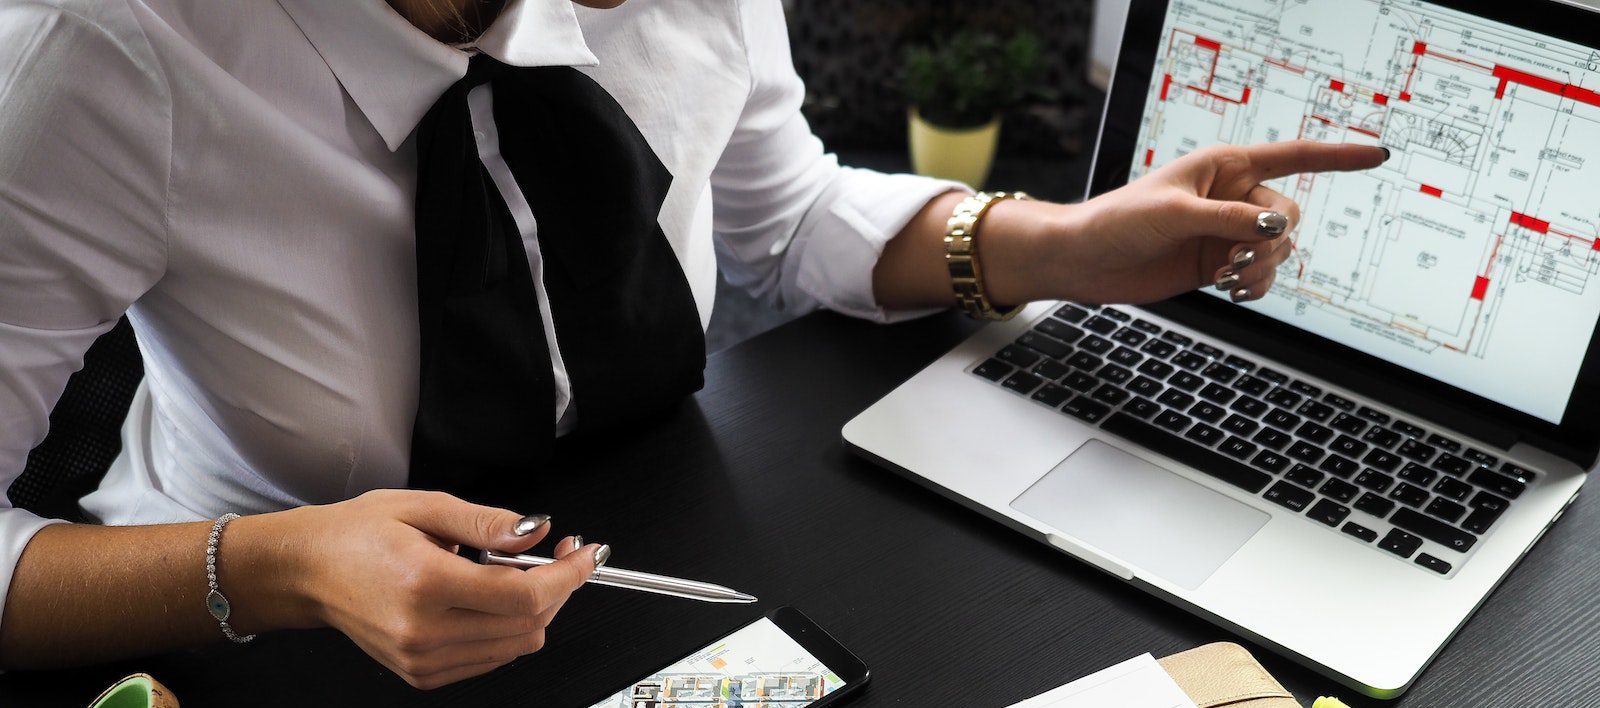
<point x="395" y="72"/>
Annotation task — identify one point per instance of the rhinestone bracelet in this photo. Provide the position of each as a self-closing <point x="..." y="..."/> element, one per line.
<point x="215" y="601"/>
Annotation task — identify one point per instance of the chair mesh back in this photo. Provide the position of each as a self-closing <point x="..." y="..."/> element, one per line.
<point x="85" y="429"/>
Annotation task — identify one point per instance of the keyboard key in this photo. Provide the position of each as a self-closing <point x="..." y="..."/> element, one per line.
<point x="1283" y="398"/>
<point x="1146" y="326"/>
<point x="1052" y="370"/>
<point x="1017" y="356"/>
<point x="1217" y="394"/>
<point x="1176" y="338"/>
<point x="1445" y="509"/>
<point x="1521" y="474"/>
<point x="1316" y="411"/>
<point x="1359" y="531"/>
<point x="1481" y="457"/>
<point x="1159" y="349"/>
<point x="1052" y="395"/>
<point x="1375" y="480"/>
<point x="1204" y="434"/>
<point x="1408" y="494"/>
<point x="1434" y="530"/>
<point x="1186" y="381"/>
<point x="1417" y="474"/>
<point x="1208" y="351"/>
<point x="1115" y="374"/>
<point x="1272" y="439"/>
<point x="1072" y="313"/>
<point x="1216" y="465"/>
<point x="1348" y="446"/>
<point x="1173" y="398"/>
<point x="1044" y="345"/>
<point x="1239" y="425"/>
<point x="1156" y="369"/>
<point x="1385" y="461"/>
<point x="1338" y="401"/>
<point x="1340" y="489"/>
<point x="1281" y="419"/>
<point x="1444" y="442"/>
<point x="1271" y="376"/>
<point x="1329" y="512"/>
<point x="1407" y="428"/>
<point x="1080" y="381"/>
<point x="1375" y="505"/>
<point x="1485" y="500"/>
<point x="1348" y="424"/>
<point x="1060" y="330"/>
<point x="1145" y="386"/>
<point x="1453" y="489"/>
<point x="1420" y="452"/>
<point x="1173" y="420"/>
<point x="1304" y="476"/>
<point x="1220" y="372"/>
<point x="1129" y="337"/>
<point x="1239" y="362"/>
<point x="1305" y="452"/>
<point x="1190" y="361"/>
<point x="1115" y="314"/>
<point x="1305" y="389"/>
<point x="1433" y="564"/>
<point x="993" y="369"/>
<point x="1022" y="382"/>
<point x="1141" y="407"/>
<point x="1341" y="467"/>
<point x="1084" y="361"/>
<point x="1096" y="345"/>
<point x="1250" y="406"/>
<point x="1400" y="543"/>
<point x="1289" y="496"/>
<point x="1452" y="465"/>
<point x="1237" y="448"/>
<point x="1497" y="483"/>
<point x="1100" y="325"/>
<point x="1382" y="437"/>
<point x="1315" y="433"/>
<point x="1252" y="385"/>
<point x="1374" y="415"/>
<point x="1086" y="409"/>
<point x="1206" y="411"/>
<point x="1270" y="461"/>
<point x="1110" y="395"/>
<point x="1480" y="520"/>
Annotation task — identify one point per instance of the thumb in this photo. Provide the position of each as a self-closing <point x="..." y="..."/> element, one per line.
<point x="1236" y="221"/>
<point x="455" y="522"/>
<point x="555" y="582"/>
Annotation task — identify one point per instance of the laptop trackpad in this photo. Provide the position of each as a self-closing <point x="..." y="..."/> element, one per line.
<point x="1141" y="514"/>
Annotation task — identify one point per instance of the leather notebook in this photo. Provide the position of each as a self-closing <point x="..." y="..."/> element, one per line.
<point x="1225" y="674"/>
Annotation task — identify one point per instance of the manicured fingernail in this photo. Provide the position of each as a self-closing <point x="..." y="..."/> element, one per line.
<point x="529" y="524"/>
<point x="1243" y="259"/>
<point x="577" y="542"/>
<point x="1241" y="294"/>
<point x="1387" y="154"/>
<point x="1271" y="223"/>
<point x="1227" y="280"/>
<point x="602" y="554"/>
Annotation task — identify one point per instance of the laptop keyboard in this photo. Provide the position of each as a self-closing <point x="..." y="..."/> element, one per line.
<point x="1388" y="483"/>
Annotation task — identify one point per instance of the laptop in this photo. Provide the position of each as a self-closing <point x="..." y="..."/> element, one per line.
<point x="1344" y="470"/>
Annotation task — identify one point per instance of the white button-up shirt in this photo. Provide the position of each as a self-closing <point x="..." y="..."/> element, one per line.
<point x="238" y="177"/>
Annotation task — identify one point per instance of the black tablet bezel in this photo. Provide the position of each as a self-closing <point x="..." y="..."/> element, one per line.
<point x="1577" y="438"/>
<point x="815" y="640"/>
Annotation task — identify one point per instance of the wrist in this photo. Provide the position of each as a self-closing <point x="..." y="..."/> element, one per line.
<point x="1022" y="247"/>
<point x="261" y="568"/>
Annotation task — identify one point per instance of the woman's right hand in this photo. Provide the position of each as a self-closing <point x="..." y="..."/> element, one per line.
<point x="382" y="568"/>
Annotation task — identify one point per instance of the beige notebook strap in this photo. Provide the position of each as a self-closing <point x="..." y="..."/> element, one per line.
<point x="1225" y="674"/>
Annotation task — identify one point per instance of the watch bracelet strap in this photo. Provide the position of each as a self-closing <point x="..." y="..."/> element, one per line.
<point x="217" y="603"/>
<point x="962" y="259"/>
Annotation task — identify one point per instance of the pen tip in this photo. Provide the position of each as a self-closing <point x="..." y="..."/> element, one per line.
<point x="746" y="599"/>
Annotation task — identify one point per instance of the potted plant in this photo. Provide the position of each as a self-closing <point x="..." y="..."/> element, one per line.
<point x="958" y="90"/>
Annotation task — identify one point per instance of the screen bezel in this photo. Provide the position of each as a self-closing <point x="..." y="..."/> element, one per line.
<point x="1577" y="438"/>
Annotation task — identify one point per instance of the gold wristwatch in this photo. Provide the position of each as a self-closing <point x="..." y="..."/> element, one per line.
<point x="961" y="255"/>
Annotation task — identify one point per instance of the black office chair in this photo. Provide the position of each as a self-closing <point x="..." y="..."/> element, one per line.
<point x="85" y="429"/>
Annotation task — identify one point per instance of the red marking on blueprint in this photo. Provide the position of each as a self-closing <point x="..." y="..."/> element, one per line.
<point x="1166" y="85"/>
<point x="1581" y="95"/>
<point x="1432" y="191"/>
<point x="1364" y="131"/>
<point x="1480" y="288"/>
<point x="1419" y="48"/>
<point x="1501" y="91"/>
<point x="1325" y="121"/>
<point x="1595" y="244"/>
<point x="1405" y="95"/>
<point x="1245" y="97"/>
<point x="1505" y="73"/>
<point x="1530" y="223"/>
<point x="1336" y="85"/>
<point x="1207" y="43"/>
<point x="1149" y="157"/>
<point x="1380" y="99"/>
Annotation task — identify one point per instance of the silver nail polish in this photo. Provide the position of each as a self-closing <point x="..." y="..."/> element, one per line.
<point x="577" y="542"/>
<point x="1241" y="294"/>
<point x="530" y="524"/>
<point x="1227" y="280"/>
<point x="1243" y="259"/>
<point x="601" y="555"/>
<point x="1271" y="223"/>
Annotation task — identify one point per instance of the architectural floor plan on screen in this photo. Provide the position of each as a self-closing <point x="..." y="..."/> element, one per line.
<point x="1473" y="255"/>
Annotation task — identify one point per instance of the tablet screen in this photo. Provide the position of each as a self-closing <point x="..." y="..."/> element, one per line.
<point x="759" y="666"/>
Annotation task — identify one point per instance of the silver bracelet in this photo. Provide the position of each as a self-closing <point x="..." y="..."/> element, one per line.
<point x="215" y="601"/>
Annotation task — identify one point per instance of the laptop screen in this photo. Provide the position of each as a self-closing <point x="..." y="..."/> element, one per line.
<point x="1473" y="255"/>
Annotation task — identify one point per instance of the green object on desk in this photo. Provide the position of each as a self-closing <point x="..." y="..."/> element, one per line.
<point x="1329" y="702"/>
<point x="136" y="691"/>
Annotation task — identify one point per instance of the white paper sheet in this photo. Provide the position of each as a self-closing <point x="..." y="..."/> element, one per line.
<point x="1139" y="682"/>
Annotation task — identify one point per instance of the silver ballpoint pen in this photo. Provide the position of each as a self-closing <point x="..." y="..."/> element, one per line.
<point x="631" y="579"/>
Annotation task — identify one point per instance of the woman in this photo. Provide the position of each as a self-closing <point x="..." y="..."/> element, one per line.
<point x="265" y="187"/>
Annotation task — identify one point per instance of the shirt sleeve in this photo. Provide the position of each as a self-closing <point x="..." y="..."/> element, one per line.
<point x="793" y="226"/>
<point x="85" y="153"/>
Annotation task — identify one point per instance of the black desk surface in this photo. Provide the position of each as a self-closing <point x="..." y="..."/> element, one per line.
<point x="752" y="488"/>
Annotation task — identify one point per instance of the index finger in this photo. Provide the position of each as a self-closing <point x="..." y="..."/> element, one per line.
<point x="1271" y="161"/>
